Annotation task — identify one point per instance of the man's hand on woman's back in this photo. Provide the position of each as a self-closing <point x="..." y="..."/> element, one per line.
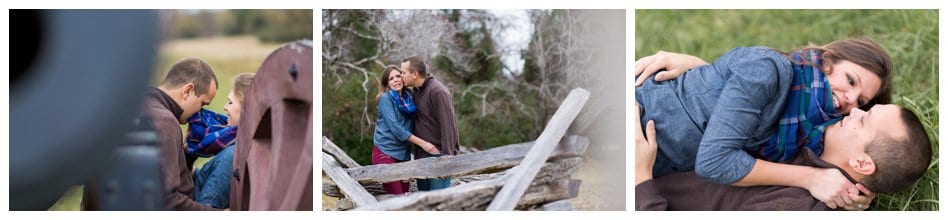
<point x="667" y="65"/>
<point x="645" y="148"/>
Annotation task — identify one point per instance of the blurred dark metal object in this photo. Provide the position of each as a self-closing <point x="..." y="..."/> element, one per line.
<point x="71" y="102"/>
<point x="273" y="162"/>
<point x="28" y="34"/>
<point x="133" y="180"/>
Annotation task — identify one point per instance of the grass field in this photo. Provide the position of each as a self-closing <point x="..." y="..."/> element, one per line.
<point x="909" y="36"/>
<point x="228" y="56"/>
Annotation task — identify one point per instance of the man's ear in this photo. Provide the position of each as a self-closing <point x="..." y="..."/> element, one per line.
<point x="863" y="164"/>
<point x="187" y="90"/>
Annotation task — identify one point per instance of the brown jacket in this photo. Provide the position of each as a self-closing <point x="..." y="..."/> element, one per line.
<point x="687" y="191"/>
<point x="435" y="121"/>
<point x="178" y="185"/>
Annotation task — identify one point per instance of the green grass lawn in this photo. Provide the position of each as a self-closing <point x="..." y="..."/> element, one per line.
<point x="228" y="56"/>
<point x="909" y="36"/>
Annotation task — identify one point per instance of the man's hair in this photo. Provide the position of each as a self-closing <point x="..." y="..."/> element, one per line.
<point x="191" y="70"/>
<point x="416" y="64"/>
<point x="242" y="84"/>
<point x="899" y="161"/>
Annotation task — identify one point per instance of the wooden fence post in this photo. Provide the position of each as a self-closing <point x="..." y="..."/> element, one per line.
<point x="523" y="174"/>
<point x="331" y="148"/>
<point x="349" y="186"/>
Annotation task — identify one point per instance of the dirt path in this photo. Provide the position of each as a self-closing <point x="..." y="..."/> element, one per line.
<point x="603" y="186"/>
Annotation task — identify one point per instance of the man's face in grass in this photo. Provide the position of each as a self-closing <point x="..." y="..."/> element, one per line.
<point x="858" y="129"/>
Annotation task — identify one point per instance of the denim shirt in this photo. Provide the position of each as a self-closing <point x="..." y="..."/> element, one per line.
<point x="708" y="117"/>
<point x="212" y="181"/>
<point x="392" y="129"/>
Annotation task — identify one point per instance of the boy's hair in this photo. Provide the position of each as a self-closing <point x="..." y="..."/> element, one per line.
<point x="899" y="161"/>
<point x="191" y="70"/>
<point x="416" y="64"/>
<point x="242" y="84"/>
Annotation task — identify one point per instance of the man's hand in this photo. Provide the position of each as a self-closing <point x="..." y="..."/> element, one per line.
<point x="674" y="65"/>
<point x="831" y="187"/>
<point x="645" y="148"/>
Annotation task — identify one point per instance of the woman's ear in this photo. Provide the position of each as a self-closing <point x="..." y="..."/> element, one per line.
<point x="863" y="164"/>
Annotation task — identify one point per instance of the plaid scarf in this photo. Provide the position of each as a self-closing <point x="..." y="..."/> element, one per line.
<point x="208" y="133"/>
<point x="809" y="111"/>
<point x="405" y="103"/>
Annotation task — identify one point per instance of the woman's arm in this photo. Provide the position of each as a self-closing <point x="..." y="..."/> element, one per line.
<point x="826" y="185"/>
<point x="752" y="85"/>
<point x="674" y="65"/>
<point x="387" y="111"/>
<point x="752" y="82"/>
<point x="425" y="145"/>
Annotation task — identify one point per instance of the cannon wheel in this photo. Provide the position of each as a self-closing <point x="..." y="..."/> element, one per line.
<point x="273" y="162"/>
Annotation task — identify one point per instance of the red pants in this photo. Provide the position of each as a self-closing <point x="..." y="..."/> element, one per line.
<point x="397" y="187"/>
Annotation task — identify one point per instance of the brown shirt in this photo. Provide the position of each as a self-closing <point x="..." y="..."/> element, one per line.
<point x="178" y="182"/>
<point x="435" y="121"/>
<point x="687" y="191"/>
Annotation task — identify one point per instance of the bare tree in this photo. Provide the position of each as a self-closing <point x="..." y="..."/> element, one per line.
<point x="559" y="49"/>
<point x="561" y="58"/>
<point x="396" y="34"/>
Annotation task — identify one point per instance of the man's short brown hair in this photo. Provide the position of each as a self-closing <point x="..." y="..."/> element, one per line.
<point x="191" y="70"/>
<point x="900" y="161"/>
<point x="416" y="64"/>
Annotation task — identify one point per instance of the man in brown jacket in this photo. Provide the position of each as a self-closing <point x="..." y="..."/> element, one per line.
<point x="189" y="85"/>
<point x="904" y="153"/>
<point x="435" y="121"/>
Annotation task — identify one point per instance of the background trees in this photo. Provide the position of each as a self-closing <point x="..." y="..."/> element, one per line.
<point x="508" y="70"/>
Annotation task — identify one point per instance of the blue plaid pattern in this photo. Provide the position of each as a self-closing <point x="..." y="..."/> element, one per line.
<point x="405" y="102"/>
<point x="809" y="111"/>
<point x="208" y="133"/>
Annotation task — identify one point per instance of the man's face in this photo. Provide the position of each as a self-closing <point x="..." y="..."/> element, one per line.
<point x="193" y="102"/>
<point x="408" y="77"/>
<point x="859" y="128"/>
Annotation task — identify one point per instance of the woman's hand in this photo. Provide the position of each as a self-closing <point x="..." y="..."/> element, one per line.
<point x="859" y="202"/>
<point x="832" y="188"/>
<point x="425" y="145"/>
<point x="430" y="148"/>
<point x="674" y="65"/>
<point x="645" y="148"/>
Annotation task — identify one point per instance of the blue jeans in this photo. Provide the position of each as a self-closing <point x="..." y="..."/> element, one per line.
<point x="212" y="182"/>
<point x="434" y="183"/>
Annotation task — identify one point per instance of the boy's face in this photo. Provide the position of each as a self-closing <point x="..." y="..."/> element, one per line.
<point x="859" y="128"/>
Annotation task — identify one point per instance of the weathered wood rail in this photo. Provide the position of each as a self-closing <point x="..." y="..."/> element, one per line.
<point x="526" y="176"/>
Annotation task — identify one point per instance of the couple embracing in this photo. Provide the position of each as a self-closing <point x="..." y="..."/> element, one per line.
<point x="414" y="109"/>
